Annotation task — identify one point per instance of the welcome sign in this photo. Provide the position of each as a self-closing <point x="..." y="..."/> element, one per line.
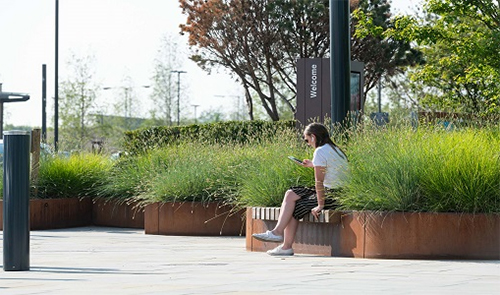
<point x="313" y="89"/>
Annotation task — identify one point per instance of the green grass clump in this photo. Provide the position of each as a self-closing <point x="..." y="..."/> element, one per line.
<point x="78" y="175"/>
<point x="128" y="176"/>
<point x="196" y="172"/>
<point x="256" y="173"/>
<point x="269" y="173"/>
<point x="424" y="169"/>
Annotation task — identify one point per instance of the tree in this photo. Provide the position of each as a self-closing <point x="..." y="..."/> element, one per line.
<point x="460" y="39"/>
<point x="77" y="100"/>
<point x="164" y="86"/>
<point x="240" y="36"/>
<point x="260" y="41"/>
<point x="382" y="54"/>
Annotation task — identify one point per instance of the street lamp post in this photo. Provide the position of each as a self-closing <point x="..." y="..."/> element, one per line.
<point x="1" y="114"/>
<point x="178" y="93"/>
<point x="195" y="106"/>
<point x="56" y="73"/>
<point x="128" y="100"/>
<point x="238" y="97"/>
<point x="9" y="97"/>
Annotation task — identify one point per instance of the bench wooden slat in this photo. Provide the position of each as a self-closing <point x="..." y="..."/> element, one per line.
<point x="272" y="213"/>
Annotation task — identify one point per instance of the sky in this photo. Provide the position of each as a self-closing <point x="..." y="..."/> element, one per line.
<point x="123" y="36"/>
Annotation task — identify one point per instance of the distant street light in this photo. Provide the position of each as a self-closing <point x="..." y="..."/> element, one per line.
<point x="128" y="104"/>
<point x="238" y="104"/>
<point x="178" y="93"/>
<point x="195" y="106"/>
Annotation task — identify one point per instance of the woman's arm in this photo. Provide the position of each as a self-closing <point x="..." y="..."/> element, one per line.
<point x="307" y="163"/>
<point x="319" y="176"/>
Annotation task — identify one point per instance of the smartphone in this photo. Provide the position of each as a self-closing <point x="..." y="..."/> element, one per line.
<point x="298" y="161"/>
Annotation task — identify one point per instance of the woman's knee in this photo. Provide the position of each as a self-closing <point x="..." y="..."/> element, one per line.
<point x="290" y="196"/>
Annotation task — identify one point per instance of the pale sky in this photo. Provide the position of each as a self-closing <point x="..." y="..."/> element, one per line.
<point x="123" y="35"/>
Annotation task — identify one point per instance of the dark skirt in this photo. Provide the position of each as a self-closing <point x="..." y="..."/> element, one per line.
<point x="308" y="201"/>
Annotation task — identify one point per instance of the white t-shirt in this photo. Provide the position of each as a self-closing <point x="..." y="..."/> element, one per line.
<point x="335" y="162"/>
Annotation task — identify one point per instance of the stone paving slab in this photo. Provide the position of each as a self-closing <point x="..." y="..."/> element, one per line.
<point x="103" y="260"/>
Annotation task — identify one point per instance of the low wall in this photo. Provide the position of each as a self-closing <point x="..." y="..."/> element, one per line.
<point x="192" y="219"/>
<point x="74" y="212"/>
<point x="57" y="213"/>
<point x="117" y="214"/>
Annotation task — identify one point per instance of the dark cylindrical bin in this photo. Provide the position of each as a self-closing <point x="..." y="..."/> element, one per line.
<point x="16" y="182"/>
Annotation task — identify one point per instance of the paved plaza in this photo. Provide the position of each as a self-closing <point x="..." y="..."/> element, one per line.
<point x="104" y="260"/>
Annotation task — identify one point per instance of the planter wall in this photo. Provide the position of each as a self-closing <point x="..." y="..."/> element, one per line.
<point x="192" y="219"/>
<point x="74" y="212"/>
<point x="431" y="235"/>
<point x="57" y="213"/>
<point x="117" y="214"/>
<point x="160" y="218"/>
<point x="393" y="235"/>
<point x="60" y="213"/>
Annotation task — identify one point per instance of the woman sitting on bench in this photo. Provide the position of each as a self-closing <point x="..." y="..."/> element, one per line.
<point x="330" y="169"/>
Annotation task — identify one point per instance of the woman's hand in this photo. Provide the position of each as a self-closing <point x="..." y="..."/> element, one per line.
<point x="316" y="211"/>
<point x="307" y="163"/>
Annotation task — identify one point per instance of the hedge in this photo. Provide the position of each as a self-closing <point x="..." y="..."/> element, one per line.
<point x="142" y="140"/>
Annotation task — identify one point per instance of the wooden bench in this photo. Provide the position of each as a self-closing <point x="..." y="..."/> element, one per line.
<point x="314" y="236"/>
<point x="272" y="213"/>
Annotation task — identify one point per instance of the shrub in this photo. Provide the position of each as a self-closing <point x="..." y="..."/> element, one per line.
<point x="240" y="174"/>
<point x="237" y="132"/>
<point x="424" y="169"/>
<point x="78" y="175"/>
<point x="268" y="172"/>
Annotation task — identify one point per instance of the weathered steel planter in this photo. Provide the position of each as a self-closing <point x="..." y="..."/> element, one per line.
<point x="192" y="219"/>
<point x="431" y="235"/>
<point x="393" y="235"/>
<point x="58" y="213"/>
<point x="117" y="214"/>
<point x="74" y="212"/>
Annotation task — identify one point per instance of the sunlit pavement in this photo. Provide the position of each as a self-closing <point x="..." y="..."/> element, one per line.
<point x="103" y="260"/>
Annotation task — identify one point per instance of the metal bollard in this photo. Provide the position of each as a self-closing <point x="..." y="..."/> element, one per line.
<point x="16" y="182"/>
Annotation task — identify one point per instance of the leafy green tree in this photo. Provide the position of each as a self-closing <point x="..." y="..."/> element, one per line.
<point x="461" y="41"/>
<point x="260" y="42"/>
<point x="77" y="102"/>
<point x="383" y="55"/>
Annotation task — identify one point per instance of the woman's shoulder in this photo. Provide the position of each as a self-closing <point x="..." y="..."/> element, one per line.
<point x="323" y="150"/>
<point x="326" y="147"/>
<point x="330" y="151"/>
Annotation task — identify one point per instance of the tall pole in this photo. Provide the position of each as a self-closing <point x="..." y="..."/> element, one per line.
<point x="178" y="95"/>
<point x="56" y="91"/>
<point x="195" y="106"/>
<point x="340" y="60"/>
<point x="380" y="95"/>
<point x="44" y="103"/>
<point x="1" y="114"/>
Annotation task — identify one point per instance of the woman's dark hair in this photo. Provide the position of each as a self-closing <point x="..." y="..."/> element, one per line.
<point x="322" y="136"/>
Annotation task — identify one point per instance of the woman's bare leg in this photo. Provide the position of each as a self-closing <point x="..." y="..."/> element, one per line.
<point x="286" y="213"/>
<point x="290" y="232"/>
